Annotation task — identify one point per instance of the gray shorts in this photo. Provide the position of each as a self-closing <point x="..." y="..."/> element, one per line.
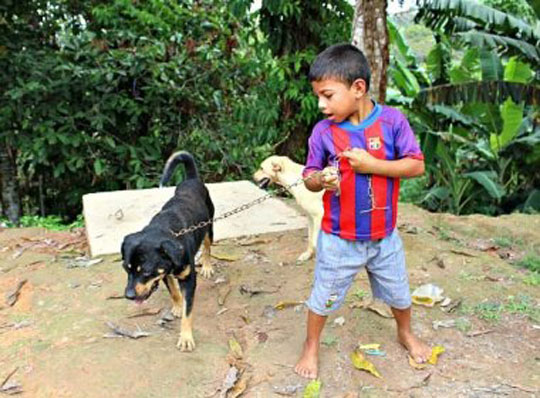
<point x="338" y="262"/>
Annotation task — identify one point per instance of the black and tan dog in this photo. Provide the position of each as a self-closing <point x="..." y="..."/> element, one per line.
<point x="157" y="254"/>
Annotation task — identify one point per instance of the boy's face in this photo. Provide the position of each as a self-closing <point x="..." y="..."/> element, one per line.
<point x="337" y="100"/>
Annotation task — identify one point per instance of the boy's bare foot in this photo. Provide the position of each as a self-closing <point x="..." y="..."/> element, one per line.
<point x="418" y="350"/>
<point x="307" y="365"/>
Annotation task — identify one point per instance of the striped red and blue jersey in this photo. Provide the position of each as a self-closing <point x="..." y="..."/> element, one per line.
<point x="354" y="214"/>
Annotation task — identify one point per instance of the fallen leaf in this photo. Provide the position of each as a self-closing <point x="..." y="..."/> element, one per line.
<point x="236" y="348"/>
<point x="222" y="296"/>
<point x="229" y="381"/>
<point x="435" y="352"/>
<point x="239" y="387"/>
<point x="225" y="257"/>
<point x="362" y="363"/>
<point x="452" y="306"/>
<point x="313" y="389"/>
<point x="449" y="323"/>
<point x="286" y="304"/>
<point x="432" y="360"/>
<point x="374" y="346"/>
<point x="381" y="308"/>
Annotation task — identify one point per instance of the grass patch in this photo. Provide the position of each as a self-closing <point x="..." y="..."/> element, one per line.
<point x="507" y="241"/>
<point x="491" y="311"/>
<point x="523" y="305"/>
<point x="463" y="325"/>
<point x="531" y="262"/>
<point x="330" y="341"/>
<point x="360" y="294"/>
<point x="533" y="279"/>
<point x="467" y="276"/>
<point x="53" y="223"/>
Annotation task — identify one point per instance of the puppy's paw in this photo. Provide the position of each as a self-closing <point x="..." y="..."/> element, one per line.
<point x="186" y="343"/>
<point x="207" y="271"/>
<point x="176" y="310"/>
<point x="305" y="256"/>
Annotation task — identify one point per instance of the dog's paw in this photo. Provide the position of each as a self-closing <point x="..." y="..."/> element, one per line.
<point x="207" y="272"/>
<point x="176" y="311"/>
<point x="305" y="256"/>
<point x="186" y="343"/>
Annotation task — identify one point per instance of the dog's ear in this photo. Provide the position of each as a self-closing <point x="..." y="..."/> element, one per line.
<point x="129" y="245"/>
<point x="276" y="167"/>
<point x="174" y="251"/>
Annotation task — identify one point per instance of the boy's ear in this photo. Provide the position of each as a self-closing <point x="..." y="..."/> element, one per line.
<point x="359" y="86"/>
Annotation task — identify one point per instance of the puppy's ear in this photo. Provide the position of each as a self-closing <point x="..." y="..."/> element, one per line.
<point x="276" y="167"/>
<point x="129" y="245"/>
<point x="174" y="251"/>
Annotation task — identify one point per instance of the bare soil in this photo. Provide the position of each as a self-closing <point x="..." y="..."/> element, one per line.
<point x="53" y="335"/>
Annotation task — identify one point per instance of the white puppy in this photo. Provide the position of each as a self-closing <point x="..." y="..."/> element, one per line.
<point x="283" y="171"/>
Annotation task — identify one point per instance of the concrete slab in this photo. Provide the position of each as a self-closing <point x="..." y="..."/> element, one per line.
<point x="109" y="216"/>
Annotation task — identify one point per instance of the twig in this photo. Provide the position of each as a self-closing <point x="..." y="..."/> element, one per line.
<point x="479" y="332"/>
<point x="518" y="387"/>
<point x="121" y="332"/>
<point x="12" y="297"/>
<point x="8" y="377"/>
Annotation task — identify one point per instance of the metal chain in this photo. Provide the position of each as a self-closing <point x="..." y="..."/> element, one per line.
<point x="243" y="207"/>
<point x="371" y="199"/>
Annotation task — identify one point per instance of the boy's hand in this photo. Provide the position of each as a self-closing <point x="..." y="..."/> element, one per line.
<point x="361" y="161"/>
<point x="329" y="179"/>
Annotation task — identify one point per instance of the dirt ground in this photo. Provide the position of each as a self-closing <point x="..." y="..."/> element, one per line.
<point x="56" y="339"/>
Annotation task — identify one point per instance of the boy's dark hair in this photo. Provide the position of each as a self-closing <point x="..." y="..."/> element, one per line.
<point x="342" y="62"/>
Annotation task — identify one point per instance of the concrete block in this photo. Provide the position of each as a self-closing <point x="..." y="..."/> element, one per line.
<point x="109" y="216"/>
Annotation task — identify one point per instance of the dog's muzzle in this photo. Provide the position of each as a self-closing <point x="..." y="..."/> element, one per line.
<point x="263" y="184"/>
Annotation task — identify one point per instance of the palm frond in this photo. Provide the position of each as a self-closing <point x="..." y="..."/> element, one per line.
<point x="481" y="91"/>
<point x="447" y="14"/>
<point x="504" y="44"/>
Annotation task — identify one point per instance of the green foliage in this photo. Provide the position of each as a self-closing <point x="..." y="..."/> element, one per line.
<point x="518" y="8"/>
<point x="481" y="26"/>
<point x="51" y="222"/>
<point x="99" y="105"/>
<point x="476" y="115"/>
<point x="531" y="262"/>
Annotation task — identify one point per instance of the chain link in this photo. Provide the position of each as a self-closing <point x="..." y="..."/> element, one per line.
<point x="243" y="207"/>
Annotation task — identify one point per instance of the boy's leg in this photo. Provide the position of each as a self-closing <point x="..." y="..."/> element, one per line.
<point x="333" y="277"/>
<point x="418" y="350"/>
<point x="308" y="363"/>
<point x="389" y="282"/>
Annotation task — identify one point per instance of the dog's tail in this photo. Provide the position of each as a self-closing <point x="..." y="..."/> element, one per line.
<point x="176" y="158"/>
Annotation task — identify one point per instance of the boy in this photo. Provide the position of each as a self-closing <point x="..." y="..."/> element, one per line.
<point x="358" y="153"/>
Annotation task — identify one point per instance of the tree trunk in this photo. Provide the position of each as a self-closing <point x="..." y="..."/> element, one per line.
<point x="10" y="191"/>
<point x="370" y="34"/>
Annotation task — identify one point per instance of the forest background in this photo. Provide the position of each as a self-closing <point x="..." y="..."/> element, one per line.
<point x="94" y="95"/>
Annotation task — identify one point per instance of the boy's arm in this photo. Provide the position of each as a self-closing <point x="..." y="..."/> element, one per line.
<point x="362" y="162"/>
<point x="316" y="163"/>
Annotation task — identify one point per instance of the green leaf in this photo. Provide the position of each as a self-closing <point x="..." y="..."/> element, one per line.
<point x="99" y="166"/>
<point x="517" y="71"/>
<point x="488" y="180"/>
<point x="491" y="65"/>
<point x="533" y="201"/>
<point x="313" y="389"/>
<point x="512" y="116"/>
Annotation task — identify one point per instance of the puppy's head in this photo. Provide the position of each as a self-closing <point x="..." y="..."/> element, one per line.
<point x="147" y="260"/>
<point x="269" y="171"/>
